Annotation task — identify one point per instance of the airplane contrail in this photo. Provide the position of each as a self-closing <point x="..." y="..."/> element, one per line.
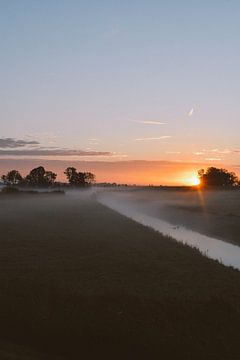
<point x="190" y="113"/>
<point x="149" y="122"/>
<point x="154" y="138"/>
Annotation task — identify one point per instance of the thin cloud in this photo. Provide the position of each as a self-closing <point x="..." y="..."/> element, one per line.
<point x="153" y="138"/>
<point x="213" y="159"/>
<point x="53" y="152"/>
<point x="149" y="122"/>
<point x="44" y="137"/>
<point x="215" y="151"/>
<point x="224" y="151"/>
<point x="20" y="148"/>
<point x="10" y="143"/>
<point x="198" y="153"/>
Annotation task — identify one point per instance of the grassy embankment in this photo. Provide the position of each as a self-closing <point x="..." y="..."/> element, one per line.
<point x="78" y="280"/>
<point x="211" y="212"/>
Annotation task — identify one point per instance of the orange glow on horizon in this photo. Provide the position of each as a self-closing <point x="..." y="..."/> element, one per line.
<point x="121" y="172"/>
<point x="193" y="180"/>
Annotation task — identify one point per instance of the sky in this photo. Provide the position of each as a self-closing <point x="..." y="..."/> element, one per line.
<point x="129" y="82"/>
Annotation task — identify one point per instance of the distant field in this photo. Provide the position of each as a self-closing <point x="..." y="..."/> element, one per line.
<point x="214" y="213"/>
<point x="78" y="281"/>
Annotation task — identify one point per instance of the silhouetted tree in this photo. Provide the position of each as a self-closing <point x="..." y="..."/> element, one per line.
<point x="89" y="178"/>
<point x="218" y="178"/>
<point x="76" y="178"/>
<point x="40" y="177"/>
<point x="50" y="177"/>
<point x="13" y="177"/>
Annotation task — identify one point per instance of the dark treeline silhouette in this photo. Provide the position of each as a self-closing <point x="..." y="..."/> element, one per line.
<point x="220" y="178"/>
<point x="79" y="178"/>
<point x="39" y="177"/>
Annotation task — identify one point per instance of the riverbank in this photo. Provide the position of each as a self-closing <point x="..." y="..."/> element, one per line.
<point x="79" y="280"/>
<point x="214" y="213"/>
<point x="226" y="253"/>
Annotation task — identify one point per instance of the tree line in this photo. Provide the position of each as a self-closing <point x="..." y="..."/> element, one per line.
<point x="218" y="178"/>
<point x="39" y="177"/>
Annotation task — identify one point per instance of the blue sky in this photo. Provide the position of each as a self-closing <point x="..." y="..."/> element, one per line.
<point x="100" y="75"/>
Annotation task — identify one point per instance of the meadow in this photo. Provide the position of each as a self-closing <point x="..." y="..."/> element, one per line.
<point x="78" y="280"/>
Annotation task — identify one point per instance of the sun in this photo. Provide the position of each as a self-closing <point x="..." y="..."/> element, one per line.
<point x="194" y="181"/>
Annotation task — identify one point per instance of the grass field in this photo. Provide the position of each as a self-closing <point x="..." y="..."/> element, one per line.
<point x="79" y="281"/>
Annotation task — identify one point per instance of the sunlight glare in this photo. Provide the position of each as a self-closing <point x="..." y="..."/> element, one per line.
<point x="194" y="181"/>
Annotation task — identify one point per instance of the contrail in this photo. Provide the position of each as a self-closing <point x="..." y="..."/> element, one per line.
<point x="154" y="138"/>
<point x="190" y="113"/>
<point x="149" y="122"/>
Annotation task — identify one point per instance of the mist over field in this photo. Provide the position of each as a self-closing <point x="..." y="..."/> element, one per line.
<point x="79" y="278"/>
<point x="202" y="219"/>
<point x="210" y="212"/>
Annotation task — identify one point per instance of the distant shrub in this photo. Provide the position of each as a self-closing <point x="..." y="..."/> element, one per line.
<point x="10" y="190"/>
<point x="60" y="192"/>
<point x="53" y="192"/>
<point x="14" y="190"/>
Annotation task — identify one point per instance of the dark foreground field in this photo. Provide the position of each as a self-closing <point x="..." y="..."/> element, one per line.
<point x="79" y="281"/>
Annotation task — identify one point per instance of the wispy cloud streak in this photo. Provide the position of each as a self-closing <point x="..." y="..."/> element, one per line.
<point x="148" y="122"/>
<point x="213" y="159"/>
<point x="153" y="138"/>
<point x="53" y="152"/>
<point x="10" y="143"/>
